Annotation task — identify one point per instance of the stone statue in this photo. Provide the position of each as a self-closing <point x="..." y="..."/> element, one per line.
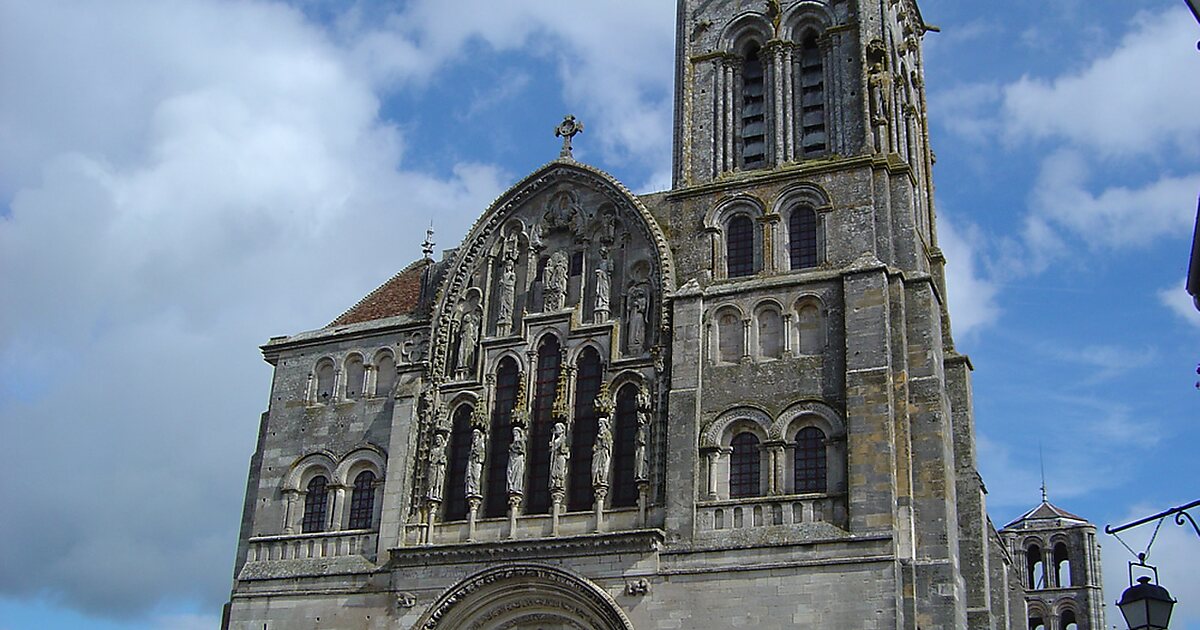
<point x="516" y="462"/>
<point x="601" y="453"/>
<point x="512" y="247"/>
<point x="475" y="463"/>
<point x="508" y="294"/>
<point x="640" y="463"/>
<point x="437" y="467"/>
<point x="560" y="452"/>
<point x="603" y="289"/>
<point x="556" y="281"/>
<point x="639" y="303"/>
<point x="468" y="339"/>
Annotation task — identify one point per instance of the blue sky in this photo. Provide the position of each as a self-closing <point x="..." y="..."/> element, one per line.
<point x="181" y="180"/>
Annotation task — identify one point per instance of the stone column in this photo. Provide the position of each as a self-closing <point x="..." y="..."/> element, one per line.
<point x="335" y="513"/>
<point x="787" y="334"/>
<point x="778" y="105"/>
<point x="710" y="465"/>
<point x="731" y="76"/>
<point x="289" y="513"/>
<point x="746" y="340"/>
<point x="778" y="451"/>
<point x="788" y="105"/>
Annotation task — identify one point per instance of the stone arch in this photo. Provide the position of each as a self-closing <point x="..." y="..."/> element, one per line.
<point x="307" y="467"/>
<point x="807" y="413"/>
<point x="812" y="324"/>
<point x="768" y="327"/>
<point x="749" y="27"/>
<point x="577" y="350"/>
<point x="354" y="366"/>
<point x="720" y="430"/>
<point x="495" y="359"/>
<point x="369" y="457"/>
<point x="385" y="377"/>
<point x="511" y="596"/>
<point x="805" y="18"/>
<point x="727" y="343"/>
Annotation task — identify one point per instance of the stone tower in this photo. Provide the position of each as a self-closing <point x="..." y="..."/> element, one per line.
<point x="733" y="403"/>
<point x="1059" y="563"/>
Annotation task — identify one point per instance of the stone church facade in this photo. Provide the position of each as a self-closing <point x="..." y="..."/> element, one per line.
<point x="734" y="403"/>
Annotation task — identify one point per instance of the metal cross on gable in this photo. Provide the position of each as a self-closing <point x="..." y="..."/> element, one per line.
<point x="567" y="131"/>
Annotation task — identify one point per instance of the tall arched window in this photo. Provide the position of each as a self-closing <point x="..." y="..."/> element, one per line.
<point x="455" y="495"/>
<point x="580" y="494"/>
<point x="537" y="493"/>
<point x="770" y="334"/>
<point x="802" y="238"/>
<point x="355" y="377"/>
<point x="1037" y="623"/>
<point x="507" y="378"/>
<point x="325" y="375"/>
<point x="754" y="110"/>
<point x="810" y="463"/>
<point x="316" y="505"/>
<point x="729" y="336"/>
<point x="385" y="374"/>
<point x="1062" y="566"/>
<point x="745" y="466"/>
<point x="362" y="501"/>
<point x="1068" y="621"/>
<point x="813" y="139"/>
<point x="624" y="483"/>
<point x="1036" y="567"/>
<point x="739" y="246"/>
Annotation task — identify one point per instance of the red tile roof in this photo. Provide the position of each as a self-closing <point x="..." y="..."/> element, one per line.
<point x="401" y="295"/>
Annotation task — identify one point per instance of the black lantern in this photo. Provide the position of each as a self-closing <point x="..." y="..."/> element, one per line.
<point x="1146" y="606"/>
<point x="1194" y="5"/>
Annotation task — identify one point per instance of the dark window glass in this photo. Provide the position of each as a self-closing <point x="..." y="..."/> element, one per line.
<point x="744" y="466"/>
<point x="537" y="492"/>
<point x="316" y="503"/>
<point x="810" y="460"/>
<point x="362" y="502"/>
<point x="456" y="477"/>
<point x="802" y="238"/>
<point x="576" y="268"/>
<point x="541" y="268"/>
<point x="813" y="139"/>
<point x="496" y="502"/>
<point x="754" y="115"/>
<point x="581" y="495"/>
<point x="624" y="485"/>
<point x="739" y="246"/>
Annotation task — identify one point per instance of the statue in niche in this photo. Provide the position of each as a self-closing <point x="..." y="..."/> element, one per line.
<point x="563" y="213"/>
<point x="603" y="286"/>
<point x="641" y="460"/>
<point x="475" y="463"/>
<point x="560" y="452"/>
<point x="556" y="281"/>
<point x="468" y="340"/>
<point x="635" y="318"/>
<point x="437" y="467"/>
<point x="512" y="247"/>
<point x="508" y="294"/>
<point x="516" y="462"/>
<point x="601" y="453"/>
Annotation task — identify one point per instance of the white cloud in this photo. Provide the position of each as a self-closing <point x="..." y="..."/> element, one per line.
<point x="186" y="180"/>
<point x="1139" y="99"/>
<point x="972" y="298"/>
<point x="1177" y="300"/>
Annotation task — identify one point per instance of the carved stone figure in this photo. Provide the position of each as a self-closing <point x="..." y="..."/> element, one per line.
<point x="556" y="281"/>
<point x="475" y="463"/>
<point x="508" y="294"/>
<point x="641" y="465"/>
<point x="512" y="247"/>
<point x="560" y="452"/>
<point x="516" y="462"/>
<point x="639" y="303"/>
<point x="437" y="467"/>
<point x="468" y="340"/>
<point x="601" y="453"/>
<point x="603" y="281"/>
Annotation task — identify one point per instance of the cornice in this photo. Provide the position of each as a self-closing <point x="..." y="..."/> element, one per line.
<point x="639" y="541"/>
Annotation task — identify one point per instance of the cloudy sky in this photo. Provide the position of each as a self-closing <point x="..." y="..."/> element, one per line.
<point x="182" y="179"/>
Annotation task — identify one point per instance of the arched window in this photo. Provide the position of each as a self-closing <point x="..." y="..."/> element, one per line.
<point x="1062" y="566"/>
<point x="537" y="493"/>
<point x="1037" y="623"/>
<point x="770" y="334"/>
<point x="802" y="238"/>
<point x="1068" y="621"/>
<point x="456" y="477"/>
<point x="729" y="336"/>
<point x="325" y="374"/>
<point x="754" y="111"/>
<point x="362" y="501"/>
<point x="745" y="466"/>
<point x="813" y="140"/>
<point x="385" y="374"/>
<point x="507" y="379"/>
<point x="624" y="485"/>
<point x="810" y="464"/>
<point x="811" y="326"/>
<point x="580" y="493"/>
<point x="316" y="505"/>
<point x="355" y="377"/>
<point x="739" y="246"/>
<point x="1036" y="567"/>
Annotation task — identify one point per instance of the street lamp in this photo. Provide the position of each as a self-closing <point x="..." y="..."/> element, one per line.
<point x="1146" y="606"/>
